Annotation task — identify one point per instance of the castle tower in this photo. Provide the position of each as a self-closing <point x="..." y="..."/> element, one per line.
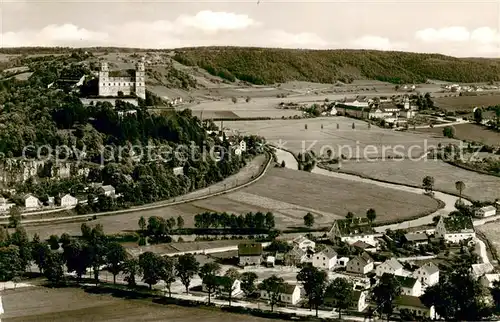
<point x="140" y="80"/>
<point x="103" y="79"/>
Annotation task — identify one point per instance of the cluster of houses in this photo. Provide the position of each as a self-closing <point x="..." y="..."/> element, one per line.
<point x="32" y="203"/>
<point x="381" y="108"/>
<point x="412" y="279"/>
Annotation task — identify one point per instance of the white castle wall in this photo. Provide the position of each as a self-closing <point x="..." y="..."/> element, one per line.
<point x="110" y="86"/>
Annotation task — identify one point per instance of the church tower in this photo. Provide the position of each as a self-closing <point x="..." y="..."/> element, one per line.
<point x="103" y="79"/>
<point x="140" y="80"/>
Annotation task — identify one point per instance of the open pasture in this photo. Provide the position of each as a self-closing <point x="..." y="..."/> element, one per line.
<point x="462" y="103"/>
<point x="352" y="143"/>
<point x="478" y="186"/>
<point x="469" y="132"/>
<point x="289" y="194"/>
<point x="72" y="304"/>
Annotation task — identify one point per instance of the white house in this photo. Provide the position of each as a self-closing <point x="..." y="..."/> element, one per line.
<point x="304" y="243"/>
<point x="427" y="274"/>
<point x="359" y="301"/>
<point x="390" y="266"/>
<point x="290" y="295"/>
<point x="325" y="259"/>
<point x="357" y="102"/>
<point x="409" y="114"/>
<point x="342" y="229"/>
<point x="342" y="261"/>
<point x="4" y="205"/>
<point x="31" y="202"/>
<point x="487" y="211"/>
<point x="409" y="285"/>
<point x="455" y="228"/>
<point x="479" y="270"/>
<point x="108" y="191"/>
<point x="221" y="281"/>
<point x="178" y="171"/>
<point x="250" y="253"/>
<point x="487" y="280"/>
<point x="413" y="305"/>
<point x="298" y="256"/>
<point x="68" y="201"/>
<point x="361" y="264"/>
<point x="270" y="261"/>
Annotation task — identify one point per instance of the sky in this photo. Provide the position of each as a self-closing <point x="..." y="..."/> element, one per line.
<point x="457" y="28"/>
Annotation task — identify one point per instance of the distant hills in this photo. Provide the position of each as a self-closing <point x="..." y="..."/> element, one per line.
<point x="273" y="65"/>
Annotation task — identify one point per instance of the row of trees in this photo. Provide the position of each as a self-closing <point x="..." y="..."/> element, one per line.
<point x="257" y="220"/>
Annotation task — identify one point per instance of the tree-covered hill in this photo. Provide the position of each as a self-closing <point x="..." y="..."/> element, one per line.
<point x="267" y="65"/>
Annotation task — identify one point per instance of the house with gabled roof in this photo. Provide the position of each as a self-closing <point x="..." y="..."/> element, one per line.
<point x="359" y="301"/>
<point x="108" y="191"/>
<point x="303" y="243"/>
<point x="365" y="246"/>
<point x="455" y="228"/>
<point x="390" y="266"/>
<point x="297" y="256"/>
<point x="487" y="211"/>
<point x="479" y="270"/>
<point x="290" y="294"/>
<point x="250" y="253"/>
<point x="325" y="259"/>
<point x="417" y="239"/>
<point x="409" y="285"/>
<point x="31" y="202"/>
<point x="414" y="305"/>
<point x="427" y="274"/>
<point x="361" y="264"/>
<point x="351" y="231"/>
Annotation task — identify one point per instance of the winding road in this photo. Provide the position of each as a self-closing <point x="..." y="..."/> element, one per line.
<point x="449" y="200"/>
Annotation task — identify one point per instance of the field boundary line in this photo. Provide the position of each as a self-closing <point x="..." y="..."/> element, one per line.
<point x="78" y="218"/>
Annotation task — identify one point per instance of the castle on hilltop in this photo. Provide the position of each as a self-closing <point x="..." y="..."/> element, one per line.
<point x="111" y="86"/>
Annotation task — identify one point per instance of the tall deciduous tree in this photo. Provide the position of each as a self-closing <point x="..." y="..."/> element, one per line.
<point x="150" y="264"/>
<point x="428" y="184"/>
<point x="314" y="282"/>
<point x="460" y="186"/>
<point x="274" y="286"/>
<point x="230" y="277"/>
<point x="385" y="292"/>
<point x="14" y="217"/>
<point x="186" y="267"/>
<point x="371" y="214"/>
<point x="309" y="220"/>
<point x="53" y="268"/>
<point x="208" y="274"/>
<point x="167" y="273"/>
<point x="142" y="223"/>
<point x="248" y="283"/>
<point x="340" y="290"/>
<point x="115" y="258"/>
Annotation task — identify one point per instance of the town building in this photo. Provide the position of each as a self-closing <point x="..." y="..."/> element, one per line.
<point x="68" y="201"/>
<point x="351" y="232"/>
<point x="409" y="285"/>
<point x="487" y="280"/>
<point x="359" y="301"/>
<point x="487" y="211"/>
<point x="361" y="264"/>
<point x="325" y="259"/>
<point x="427" y="274"/>
<point x="31" y="202"/>
<point x="108" y="191"/>
<point x="413" y="305"/>
<point x="365" y="246"/>
<point x="297" y="256"/>
<point x="290" y="295"/>
<point x="455" y="228"/>
<point x="178" y="171"/>
<point x="250" y="254"/>
<point x="303" y="243"/>
<point x="4" y="205"/>
<point x="478" y="270"/>
<point x="417" y="239"/>
<point x="132" y="84"/>
<point x="390" y="266"/>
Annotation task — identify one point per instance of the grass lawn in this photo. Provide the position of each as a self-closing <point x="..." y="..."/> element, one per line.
<point x="478" y="186"/>
<point x="73" y="304"/>
<point x="469" y="132"/>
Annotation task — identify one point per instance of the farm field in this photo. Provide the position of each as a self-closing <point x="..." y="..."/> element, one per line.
<point x="478" y="186"/>
<point x="353" y="143"/>
<point x="491" y="231"/>
<point x="469" y="132"/>
<point x="72" y="304"/>
<point x="466" y="102"/>
<point x="289" y="194"/>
